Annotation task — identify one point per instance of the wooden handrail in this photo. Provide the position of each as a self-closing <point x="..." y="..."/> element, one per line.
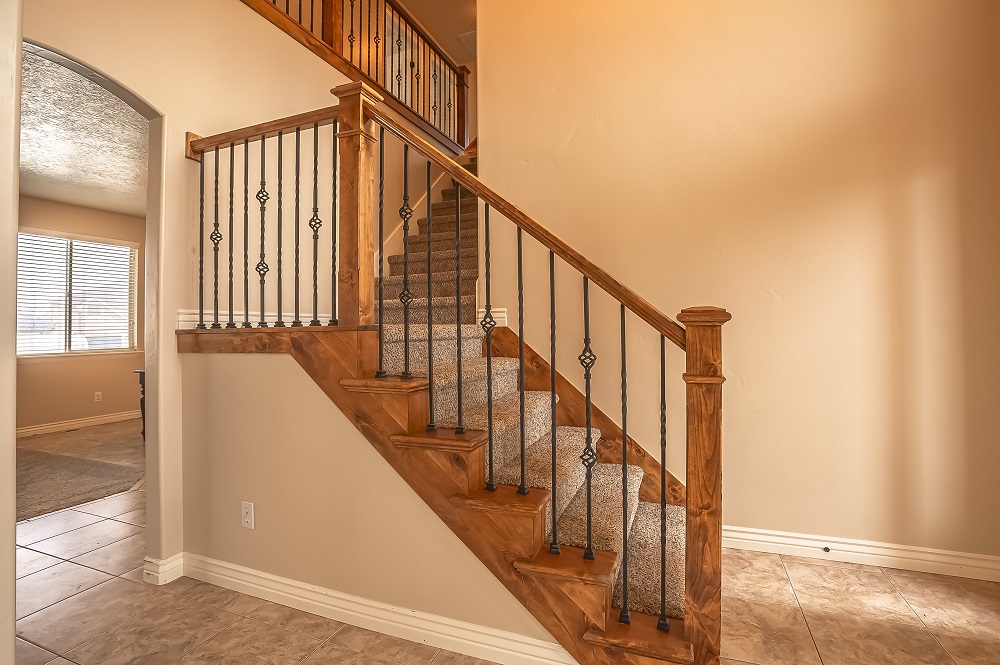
<point x="624" y="295"/>
<point x="197" y="145"/>
<point x="424" y="34"/>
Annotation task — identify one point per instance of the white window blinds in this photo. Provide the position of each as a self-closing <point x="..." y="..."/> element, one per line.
<point x="74" y="295"/>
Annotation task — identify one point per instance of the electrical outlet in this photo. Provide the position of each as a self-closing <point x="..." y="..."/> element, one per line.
<point x="98" y="397"/>
<point x="247" y="515"/>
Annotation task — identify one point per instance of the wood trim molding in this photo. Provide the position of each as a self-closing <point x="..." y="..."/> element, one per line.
<point x="626" y="296"/>
<point x="197" y="145"/>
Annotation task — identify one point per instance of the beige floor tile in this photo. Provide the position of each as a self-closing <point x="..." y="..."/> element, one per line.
<point x="117" y="558"/>
<point x="86" y="539"/>
<point x="179" y="586"/>
<point x="730" y="661"/>
<point x="60" y="661"/>
<point x="809" y="561"/>
<point x="119" y="504"/>
<point x="846" y="640"/>
<point x="134" y="575"/>
<point x="136" y="517"/>
<point x="452" y="658"/>
<point x="964" y="615"/>
<point x="385" y="647"/>
<point x="755" y="575"/>
<point x="250" y="643"/>
<point x="48" y="526"/>
<point x="217" y="596"/>
<point x="46" y="587"/>
<point x="76" y="620"/>
<point x="157" y="637"/>
<point x="26" y="653"/>
<point x="297" y="621"/>
<point x="30" y="561"/>
<point x="848" y="592"/>
<point x="765" y="633"/>
<point x="333" y="654"/>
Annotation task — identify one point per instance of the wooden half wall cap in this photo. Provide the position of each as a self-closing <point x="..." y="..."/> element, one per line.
<point x="371" y="95"/>
<point x="703" y="316"/>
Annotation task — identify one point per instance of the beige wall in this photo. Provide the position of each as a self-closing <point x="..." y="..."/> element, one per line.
<point x="10" y="114"/>
<point x="827" y="172"/>
<point x="53" y="389"/>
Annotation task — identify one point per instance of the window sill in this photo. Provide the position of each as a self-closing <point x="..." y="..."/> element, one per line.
<point x="75" y="355"/>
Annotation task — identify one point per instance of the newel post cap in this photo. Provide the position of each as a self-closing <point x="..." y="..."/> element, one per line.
<point x="704" y="316"/>
<point x="370" y="94"/>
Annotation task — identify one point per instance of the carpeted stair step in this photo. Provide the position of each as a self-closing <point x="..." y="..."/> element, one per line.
<point x="440" y="261"/>
<point x="448" y="207"/>
<point x="607" y="509"/>
<point x="474" y="383"/>
<point x="445" y="240"/>
<point x="449" y="194"/>
<point x="444" y="347"/>
<point x="443" y="309"/>
<point x="445" y="223"/>
<point x="570" y="472"/>
<point x="644" y="561"/>
<point x="442" y="284"/>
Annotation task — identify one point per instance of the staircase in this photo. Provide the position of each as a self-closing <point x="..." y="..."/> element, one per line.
<point x="618" y="559"/>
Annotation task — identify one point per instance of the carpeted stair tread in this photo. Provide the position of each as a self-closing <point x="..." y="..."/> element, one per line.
<point x="449" y="194"/>
<point x="443" y="310"/>
<point x="570" y="471"/>
<point x="418" y="332"/>
<point x="440" y="260"/>
<point x="644" y="561"/>
<point x="607" y="509"/>
<point x="441" y="242"/>
<point x="442" y="284"/>
<point x="473" y="369"/>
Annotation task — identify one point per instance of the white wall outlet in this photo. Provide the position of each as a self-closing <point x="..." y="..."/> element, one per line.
<point x="247" y="515"/>
<point x="98" y="397"/>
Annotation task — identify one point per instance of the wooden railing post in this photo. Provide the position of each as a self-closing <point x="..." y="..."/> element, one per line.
<point x="462" y="135"/>
<point x="333" y="25"/>
<point x="703" y="590"/>
<point x="356" y="205"/>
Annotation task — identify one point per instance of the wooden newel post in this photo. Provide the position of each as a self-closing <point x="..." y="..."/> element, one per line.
<point x="703" y="617"/>
<point x="356" y="247"/>
<point x="462" y="133"/>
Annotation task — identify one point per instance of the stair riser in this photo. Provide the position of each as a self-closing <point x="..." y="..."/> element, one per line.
<point x="444" y="242"/>
<point x="440" y="288"/>
<point x="446" y="225"/>
<point x="445" y="207"/>
<point x="418" y="314"/>
<point x="444" y="353"/>
<point x="473" y="395"/>
<point x="419" y="267"/>
<point x="449" y="195"/>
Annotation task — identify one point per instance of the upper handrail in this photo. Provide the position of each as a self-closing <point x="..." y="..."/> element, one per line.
<point x="198" y="145"/>
<point x="623" y="294"/>
<point x="424" y="34"/>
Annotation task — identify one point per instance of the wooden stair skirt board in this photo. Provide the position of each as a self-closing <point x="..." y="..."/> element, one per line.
<point x="570" y="596"/>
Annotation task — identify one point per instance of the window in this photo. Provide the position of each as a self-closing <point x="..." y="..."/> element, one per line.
<point x="74" y="295"/>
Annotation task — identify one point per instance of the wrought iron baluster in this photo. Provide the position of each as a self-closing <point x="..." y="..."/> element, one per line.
<point x="232" y="169"/>
<point x="379" y="18"/>
<point x="460" y="429"/>
<point x="350" y="36"/>
<point x="333" y="233"/>
<point x="488" y="324"/>
<point x="416" y="63"/>
<point x="436" y="82"/>
<point x="280" y="322"/>
<point x="663" y="623"/>
<point x="521" y="487"/>
<point x="315" y="223"/>
<point x="312" y="15"/>
<point x="624" y="616"/>
<point x="216" y="238"/>
<point x="201" y="244"/>
<point x="262" y="198"/>
<point x="399" y="57"/>
<point x="405" y="296"/>
<point x="297" y="322"/>
<point x="246" y="234"/>
<point x="554" y="545"/>
<point x="300" y="12"/>
<point x="381" y="248"/>
<point x="368" y="42"/>
<point x="431" y="425"/>
<point x="451" y="88"/>
<point x="589" y="457"/>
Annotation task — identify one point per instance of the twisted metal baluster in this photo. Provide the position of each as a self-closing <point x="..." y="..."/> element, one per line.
<point x="350" y="37"/>
<point x="488" y="324"/>
<point x="405" y="296"/>
<point x="262" y="198"/>
<point x="377" y="40"/>
<point x="246" y="234"/>
<point x="216" y="238"/>
<point x="624" y="616"/>
<point x="315" y="223"/>
<point x="589" y="457"/>
<point x="521" y="487"/>
<point x="431" y="425"/>
<point x="663" y="623"/>
<point x="460" y="429"/>
<point x="280" y="322"/>
<point x="297" y="322"/>
<point x="201" y="243"/>
<point x="554" y="545"/>
<point x="380" y="374"/>
<point x="232" y="168"/>
<point x="333" y="231"/>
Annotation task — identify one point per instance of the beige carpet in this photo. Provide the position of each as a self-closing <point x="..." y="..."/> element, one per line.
<point x="46" y="482"/>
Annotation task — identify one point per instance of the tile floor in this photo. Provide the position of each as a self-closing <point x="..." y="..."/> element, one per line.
<point x="80" y="599"/>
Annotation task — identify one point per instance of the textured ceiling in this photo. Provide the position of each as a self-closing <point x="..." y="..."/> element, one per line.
<point x="80" y="143"/>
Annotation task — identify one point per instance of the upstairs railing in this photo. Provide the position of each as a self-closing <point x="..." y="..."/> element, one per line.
<point x="380" y="43"/>
<point x="305" y="196"/>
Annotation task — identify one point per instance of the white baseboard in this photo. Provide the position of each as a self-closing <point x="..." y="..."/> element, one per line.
<point x="499" y="315"/>
<point x="66" y="425"/>
<point x="924" y="559"/>
<point x="441" y="632"/>
<point x="163" y="571"/>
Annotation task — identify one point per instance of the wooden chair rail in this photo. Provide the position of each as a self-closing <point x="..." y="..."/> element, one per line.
<point x="624" y="295"/>
<point x="198" y="145"/>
